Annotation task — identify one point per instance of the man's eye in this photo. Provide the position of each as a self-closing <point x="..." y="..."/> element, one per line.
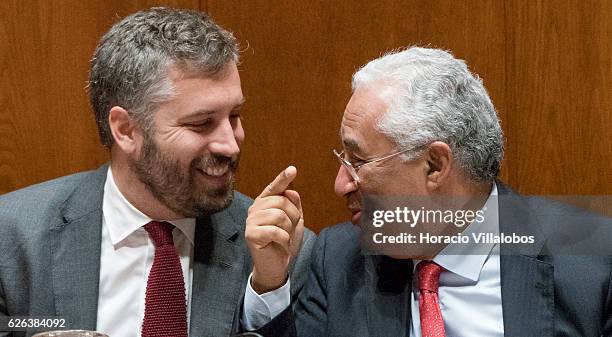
<point x="201" y="125"/>
<point x="355" y="161"/>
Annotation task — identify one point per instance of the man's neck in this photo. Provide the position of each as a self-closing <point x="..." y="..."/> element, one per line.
<point x="465" y="196"/>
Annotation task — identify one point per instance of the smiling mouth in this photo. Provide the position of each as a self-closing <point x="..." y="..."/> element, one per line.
<point x="215" y="171"/>
<point x="216" y="177"/>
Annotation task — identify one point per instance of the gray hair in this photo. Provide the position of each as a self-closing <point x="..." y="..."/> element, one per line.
<point x="433" y="97"/>
<point x="131" y="63"/>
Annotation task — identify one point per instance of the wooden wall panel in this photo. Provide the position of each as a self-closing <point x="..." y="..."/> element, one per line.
<point x="46" y="125"/>
<point x="546" y="64"/>
<point x="559" y="96"/>
<point x="297" y="66"/>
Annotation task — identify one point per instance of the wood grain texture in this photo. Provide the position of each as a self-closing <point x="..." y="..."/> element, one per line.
<point x="297" y="67"/>
<point x="546" y="64"/>
<point x="559" y="96"/>
<point x="46" y="125"/>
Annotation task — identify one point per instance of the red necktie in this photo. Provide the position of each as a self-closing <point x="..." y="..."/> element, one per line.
<point x="432" y="324"/>
<point x="165" y="308"/>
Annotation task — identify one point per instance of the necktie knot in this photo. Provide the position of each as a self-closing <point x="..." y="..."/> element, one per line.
<point x="160" y="233"/>
<point x="429" y="275"/>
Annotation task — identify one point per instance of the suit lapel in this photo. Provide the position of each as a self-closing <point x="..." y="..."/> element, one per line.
<point x="527" y="283"/>
<point x="219" y="273"/>
<point x="388" y="287"/>
<point x="75" y="245"/>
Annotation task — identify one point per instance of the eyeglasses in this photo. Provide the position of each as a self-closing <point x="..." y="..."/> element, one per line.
<point x="352" y="168"/>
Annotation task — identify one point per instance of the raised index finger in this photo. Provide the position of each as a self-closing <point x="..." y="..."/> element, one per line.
<point x="280" y="183"/>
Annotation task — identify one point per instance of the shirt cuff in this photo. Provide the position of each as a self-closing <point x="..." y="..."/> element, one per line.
<point x="259" y="310"/>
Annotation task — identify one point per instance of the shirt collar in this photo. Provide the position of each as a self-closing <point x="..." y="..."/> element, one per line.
<point x="467" y="260"/>
<point x="122" y="218"/>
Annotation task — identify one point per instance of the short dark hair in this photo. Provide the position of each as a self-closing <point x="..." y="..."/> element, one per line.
<point x="131" y="62"/>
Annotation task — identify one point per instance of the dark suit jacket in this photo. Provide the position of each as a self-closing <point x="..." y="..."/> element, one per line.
<point x="543" y="294"/>
<point x="50" y="256"/>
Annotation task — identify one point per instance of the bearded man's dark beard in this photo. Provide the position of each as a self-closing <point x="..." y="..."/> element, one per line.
<point x="177" y="189"/>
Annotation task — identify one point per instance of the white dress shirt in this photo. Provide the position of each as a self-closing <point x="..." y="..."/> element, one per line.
<point x="261" y="309"/>
<point x="469" y="293"/>
<point x="470" y="287"/>
<point x="126" y="258"/>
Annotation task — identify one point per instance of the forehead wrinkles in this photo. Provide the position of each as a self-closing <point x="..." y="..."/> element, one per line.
<point x="352" y="120"/>
<point x="366" y="105"/>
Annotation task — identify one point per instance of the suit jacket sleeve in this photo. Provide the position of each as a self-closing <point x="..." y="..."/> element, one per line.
<point x="301" y="266"/>
<point x="309" y="314"/>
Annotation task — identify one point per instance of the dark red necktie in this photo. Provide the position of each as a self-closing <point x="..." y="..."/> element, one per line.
<point x="165" y="307"/>
<point x="432" y="324"/>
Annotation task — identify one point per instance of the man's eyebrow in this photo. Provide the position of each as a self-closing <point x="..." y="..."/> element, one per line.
<point x="351" y="145"/>
<point x="199" y="112"/>
<point x="210" y="112"/>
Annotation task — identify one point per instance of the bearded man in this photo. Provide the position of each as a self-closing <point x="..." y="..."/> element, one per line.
<point x="151" y="244"/>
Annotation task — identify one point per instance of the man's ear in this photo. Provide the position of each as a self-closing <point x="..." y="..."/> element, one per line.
<point x="439" y="160"/>
<point x="124" y="129"/>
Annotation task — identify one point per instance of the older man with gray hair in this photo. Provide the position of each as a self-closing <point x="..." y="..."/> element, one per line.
<point x="421" y="126"/>
<point x="152" y="244"/>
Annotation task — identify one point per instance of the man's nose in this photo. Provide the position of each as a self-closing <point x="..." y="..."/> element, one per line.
<point x="225" y="140"/>
<point x="344" y="183"/>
